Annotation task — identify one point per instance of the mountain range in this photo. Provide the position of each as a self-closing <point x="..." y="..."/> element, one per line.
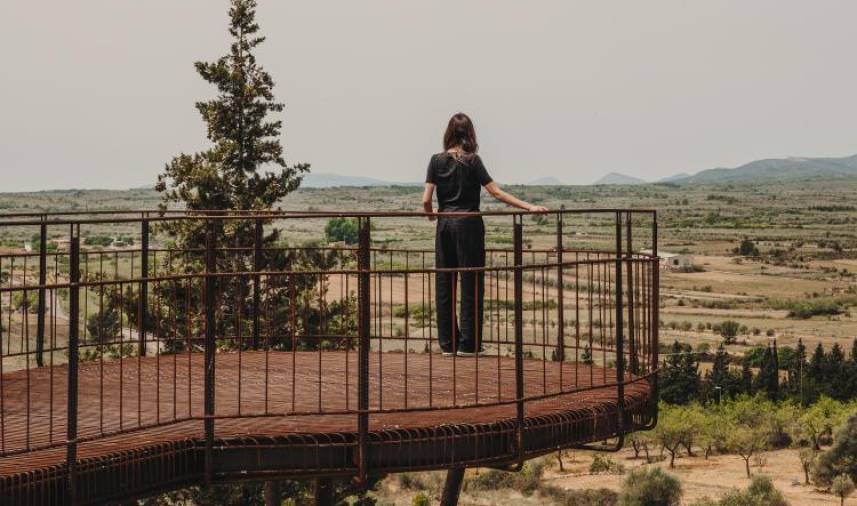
<point x="617" y="178"/>
<point x="779" y="169"/>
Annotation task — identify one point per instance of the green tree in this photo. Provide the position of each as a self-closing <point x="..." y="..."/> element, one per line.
<point x="680" y="376"/>
<point x="244" y="170"/>
<point x="808" y="457"/>
<point x="746" y="377"/>
<point x="729" y="331"/>
<point x="650" y="487"/>
<point x="673" y="430"/>
<point x="819" y="420"/>
<point x="840" y="459"/>
<point x="761" y="492"/>
<point x="748" y="427"/>
<point x="842" y="487"/>
<point x="342" y="229"/>
<point x="246" y="140"/>
<point x="747" y="248"/>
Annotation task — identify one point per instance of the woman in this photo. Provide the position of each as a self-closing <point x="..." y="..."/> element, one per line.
<point x="459" y="175"/>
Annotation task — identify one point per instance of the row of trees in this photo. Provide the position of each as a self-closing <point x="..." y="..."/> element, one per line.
<point x="747" y="426"/>
<point x="777" y="372"/>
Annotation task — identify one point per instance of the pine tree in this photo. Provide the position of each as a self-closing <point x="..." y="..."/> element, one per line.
<point x="680" y="377"/>
<point x="835" y="373"/>
<point x="854" y="352"/>
<point x="246" y="141"/>
<point x="761" y="381"/>
<point x="243" y="170"/>
<point x="746" y="377"/>
<point x="816" y="363"/>
<point x="797" y="367"/>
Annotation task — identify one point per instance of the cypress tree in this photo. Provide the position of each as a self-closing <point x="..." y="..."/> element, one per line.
<point x="246" y="141"/>
<point x="244" y="169"/>
<point x="746" y="377"/>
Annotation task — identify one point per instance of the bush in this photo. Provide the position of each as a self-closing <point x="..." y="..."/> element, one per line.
<point x="526" y="481"/>
<point x="421" y="499"/>
<point x="342" y="229"/>
<point x="761" y="492"/>
<point x="729" y="330"/>
<point x="840" y="458"/>
<point x="602" y="464"/>
<point x="588" y="497"/>
<point x="650" y="487"/>
<point x="808" y="309"/>
<point x="842" y="487"/>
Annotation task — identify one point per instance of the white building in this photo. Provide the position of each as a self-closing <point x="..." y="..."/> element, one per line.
<point x="674" y="261"/>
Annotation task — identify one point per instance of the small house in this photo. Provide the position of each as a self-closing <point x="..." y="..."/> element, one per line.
<point x="673" y="261"/>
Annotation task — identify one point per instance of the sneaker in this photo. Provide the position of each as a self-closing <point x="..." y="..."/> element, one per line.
<point x="447" y="353"/>
<point x="467" y="353"/>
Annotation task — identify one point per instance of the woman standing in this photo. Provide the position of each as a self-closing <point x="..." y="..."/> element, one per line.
<point x="459" y="175"/>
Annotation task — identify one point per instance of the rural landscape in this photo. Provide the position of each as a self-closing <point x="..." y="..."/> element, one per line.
<point x="616" y="301"/>
<point x="761" y="264"/>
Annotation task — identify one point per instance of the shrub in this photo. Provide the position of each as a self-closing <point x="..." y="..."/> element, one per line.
<point x="650" y="487"/>
<point x="761" y="492"/>
<point x="842" y="487"/>
<point x="342" y="229"/>
<point x="840" y="458"/>
<point x="588" y="497"/>
<point x="729" y="330"/>
<point x="603" y="464"/>
<point x="421" y="499"/>
<point x="526" y="481"/>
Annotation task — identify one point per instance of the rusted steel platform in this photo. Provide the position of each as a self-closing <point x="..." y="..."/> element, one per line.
<point x="301" y="426"/>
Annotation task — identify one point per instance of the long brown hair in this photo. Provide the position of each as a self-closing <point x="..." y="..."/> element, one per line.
<point x="460" y="133"/>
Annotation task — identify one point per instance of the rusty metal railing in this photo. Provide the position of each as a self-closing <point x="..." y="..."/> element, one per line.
<point x="104" y="347"/>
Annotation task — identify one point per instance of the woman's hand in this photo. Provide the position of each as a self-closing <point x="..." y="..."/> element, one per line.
<point x="537" y="209"/>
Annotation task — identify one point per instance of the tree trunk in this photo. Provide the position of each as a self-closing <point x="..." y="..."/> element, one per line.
<point x="559" y="458"/>
<point x="806" y="475"/>
<point x="747" y="465"/>
<point x="272" y="493"/>
<point x="323" y="492"/>
<point x="672" y="459"/>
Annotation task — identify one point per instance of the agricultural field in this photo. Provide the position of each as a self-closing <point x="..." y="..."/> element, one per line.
<point x="780" y="260"/>
<point x="797" y="280"/>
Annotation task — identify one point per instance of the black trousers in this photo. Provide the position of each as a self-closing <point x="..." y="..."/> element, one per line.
<point x="460" y="242"/>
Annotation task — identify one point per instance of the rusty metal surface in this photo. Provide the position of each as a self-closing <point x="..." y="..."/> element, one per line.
<point x="291" y="444"/>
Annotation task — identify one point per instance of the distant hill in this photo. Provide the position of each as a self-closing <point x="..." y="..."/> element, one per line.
<point x="674" y="178"/>
<point x="616" y="178"/>
<point x="775" y="169"/>
<point x="329" y="180"/>
<point x="546" y="181"/>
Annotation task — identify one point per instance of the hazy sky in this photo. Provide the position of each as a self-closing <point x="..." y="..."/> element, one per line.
<point x="100" y="93"/>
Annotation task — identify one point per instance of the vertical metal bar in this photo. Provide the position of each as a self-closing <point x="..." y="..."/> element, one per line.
<point x="655" y="303"/>
<point x="517" y="241"/>
<point x="210" y="343"/>
<point x="560" y="298"/>
<point x="257" y="294"/>
<point x="43" y="276"/>
<point x="364" y="322"/>
<point x="73" y="343"/>
<point x="143" y="305"/>
<point x="632" y="334"/>
<point x="620" y="334"/>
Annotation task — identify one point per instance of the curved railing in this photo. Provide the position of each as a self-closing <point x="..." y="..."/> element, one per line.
<point x="213" y="341"/>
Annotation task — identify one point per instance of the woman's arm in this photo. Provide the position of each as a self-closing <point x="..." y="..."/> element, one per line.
<point x="502" y="196"/>
<point x="427" y="195"/>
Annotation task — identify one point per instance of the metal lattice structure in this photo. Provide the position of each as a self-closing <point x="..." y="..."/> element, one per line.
<point x="135" y="369"/>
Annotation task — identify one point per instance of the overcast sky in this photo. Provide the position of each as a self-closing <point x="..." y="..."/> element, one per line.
<point x="100" y="93"/>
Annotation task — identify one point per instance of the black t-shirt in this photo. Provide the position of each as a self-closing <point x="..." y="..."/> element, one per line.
<point x="458" y="181"/>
